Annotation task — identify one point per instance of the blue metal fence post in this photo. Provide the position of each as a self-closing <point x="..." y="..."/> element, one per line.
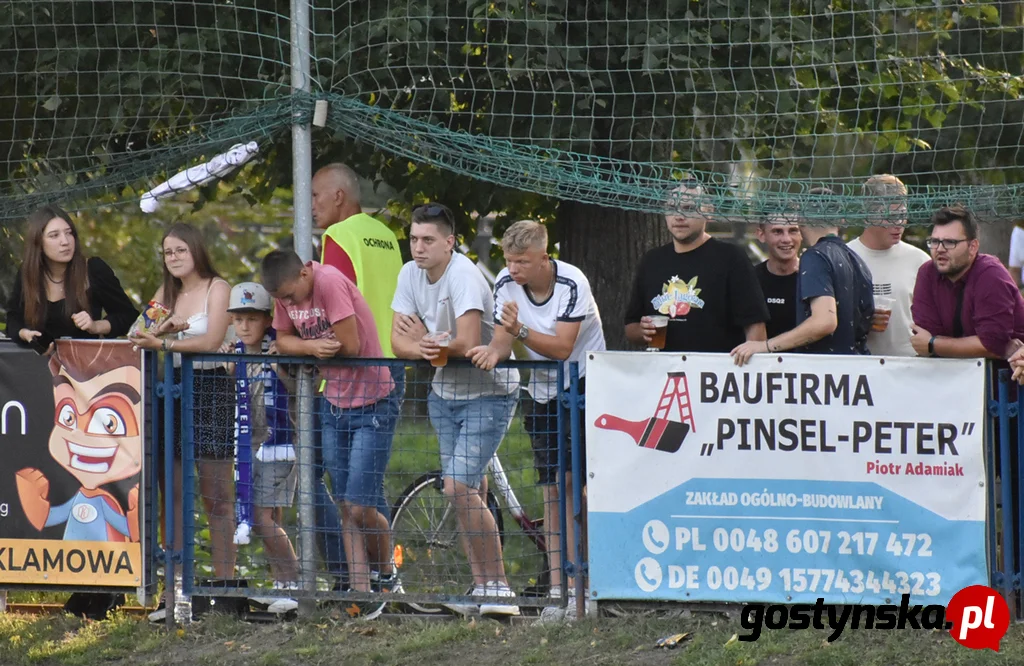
<point x="1006" y="480"/>
<point x="170" y="552"/>
<point x="188" y="554"/>
<point x="992" y="422"/>
<point x="575" y="407"/>
<point x="563" y="431"/>
<point x="1017" y="410"/>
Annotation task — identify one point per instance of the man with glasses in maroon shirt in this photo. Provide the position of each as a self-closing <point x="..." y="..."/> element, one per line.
<point x="966" y="304"/>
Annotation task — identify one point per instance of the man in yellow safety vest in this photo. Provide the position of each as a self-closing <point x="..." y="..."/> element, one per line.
<point x="362" y="247"/>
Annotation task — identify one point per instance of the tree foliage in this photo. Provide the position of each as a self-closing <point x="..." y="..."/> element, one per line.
<point x="105" y="98"/>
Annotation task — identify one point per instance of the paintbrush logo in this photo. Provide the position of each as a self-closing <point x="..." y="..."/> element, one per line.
<point x="658" y="432"/>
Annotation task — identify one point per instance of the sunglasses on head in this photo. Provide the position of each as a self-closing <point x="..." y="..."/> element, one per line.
<point x="433" y="210"/>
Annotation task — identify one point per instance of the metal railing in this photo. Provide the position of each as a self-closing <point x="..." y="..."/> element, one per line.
<point x="428" y="549"/>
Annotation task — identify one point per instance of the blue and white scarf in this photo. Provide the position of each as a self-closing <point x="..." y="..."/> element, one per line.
<point x="243" y="450"/>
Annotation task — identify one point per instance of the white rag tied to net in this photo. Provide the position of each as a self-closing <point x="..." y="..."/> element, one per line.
<point x="218" y="167"/>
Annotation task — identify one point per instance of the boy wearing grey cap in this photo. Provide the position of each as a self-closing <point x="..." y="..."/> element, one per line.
<point x="266" y="457"/>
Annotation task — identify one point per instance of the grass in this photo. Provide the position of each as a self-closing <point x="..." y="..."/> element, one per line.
<point x="326" y="639"/>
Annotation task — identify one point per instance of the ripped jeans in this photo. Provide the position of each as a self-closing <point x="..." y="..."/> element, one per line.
<point x="356" y="447"/>
<point x="469" y="433"/>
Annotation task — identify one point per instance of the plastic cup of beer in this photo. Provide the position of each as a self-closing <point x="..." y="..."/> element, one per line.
<point x="660" y="329"/>
<point x="883" y="306"/>
<point x="442" y="339"/>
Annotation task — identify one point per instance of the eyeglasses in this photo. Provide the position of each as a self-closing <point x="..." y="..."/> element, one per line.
<point x="178" y="252"/>
<point x="946" y="243"/>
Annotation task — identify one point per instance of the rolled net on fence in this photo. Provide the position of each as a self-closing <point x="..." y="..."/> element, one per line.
<point x="605" y="102"/>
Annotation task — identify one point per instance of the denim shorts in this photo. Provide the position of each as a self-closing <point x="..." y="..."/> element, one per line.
<point x="356" y="448"/>
<point x="469" y="433"/>
<point x="541" y="423"/>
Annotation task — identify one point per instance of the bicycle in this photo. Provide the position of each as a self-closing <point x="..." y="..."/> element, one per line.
<point x="428" y="534"/>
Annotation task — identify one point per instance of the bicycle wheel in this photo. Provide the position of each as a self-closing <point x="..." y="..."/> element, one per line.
<point x="425" y="538"/>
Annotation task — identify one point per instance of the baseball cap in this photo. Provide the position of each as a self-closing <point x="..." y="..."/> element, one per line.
<point x="250" y="296"/>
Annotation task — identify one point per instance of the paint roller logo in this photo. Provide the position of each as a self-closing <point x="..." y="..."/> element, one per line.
<point x="658" y="432"/>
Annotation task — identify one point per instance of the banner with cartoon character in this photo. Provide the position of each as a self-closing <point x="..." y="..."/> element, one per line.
<point x="70" y="485"/>
<point x="855" y="479"/>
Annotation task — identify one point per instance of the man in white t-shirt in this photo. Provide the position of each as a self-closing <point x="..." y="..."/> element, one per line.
<point x="1016" y="253"/>
<point x="548" y="306"/>
<point x="442" y="291"/>
<point x="893" y="262"/>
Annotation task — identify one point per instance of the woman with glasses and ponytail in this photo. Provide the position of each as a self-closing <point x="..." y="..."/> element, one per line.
<point x="197" y="297"/>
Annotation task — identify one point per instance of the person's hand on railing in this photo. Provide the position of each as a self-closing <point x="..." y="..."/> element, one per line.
<point x="484" y="357"/>
<point x="272" y="349"/>
<point x="227" y="348"/>
<point x="1017" y="365"/>
<point x="919" y="339"/>
<point x="324" y="348"/>
<point x="741" y="354"/>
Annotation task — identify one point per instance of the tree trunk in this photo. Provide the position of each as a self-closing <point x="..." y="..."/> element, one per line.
<point x="995" y="238"/>
<point x="606" y="244"/>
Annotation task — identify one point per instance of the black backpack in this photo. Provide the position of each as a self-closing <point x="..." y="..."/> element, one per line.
<point x="864" y="307"/>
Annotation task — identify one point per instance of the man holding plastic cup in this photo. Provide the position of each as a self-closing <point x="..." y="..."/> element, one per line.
<point x="696" y="293"/>
<point x="444" y="308"/>
<point x="893" y="262"/>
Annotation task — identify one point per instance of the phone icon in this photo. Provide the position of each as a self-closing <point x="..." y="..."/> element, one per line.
<point x="648" y="574"/>
<point x="655" y="537"/>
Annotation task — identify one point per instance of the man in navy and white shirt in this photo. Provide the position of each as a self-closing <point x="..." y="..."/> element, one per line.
<point x="547" y="305"/>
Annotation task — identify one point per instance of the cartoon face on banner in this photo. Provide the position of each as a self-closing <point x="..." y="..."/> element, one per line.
<point x="71" y="481"/>
<point x="96" y="434"/>
<point x="96" y="438"/>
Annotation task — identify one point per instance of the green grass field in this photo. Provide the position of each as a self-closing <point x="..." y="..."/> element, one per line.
<point x="326" y="639"/>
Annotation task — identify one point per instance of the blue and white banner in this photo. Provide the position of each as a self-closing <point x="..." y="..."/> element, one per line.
<point x="855" y="479"/>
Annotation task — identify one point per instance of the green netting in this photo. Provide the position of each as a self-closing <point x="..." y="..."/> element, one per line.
<point x="601" y="101"/>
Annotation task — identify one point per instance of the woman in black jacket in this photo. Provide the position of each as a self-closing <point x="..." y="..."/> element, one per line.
<point x="60" y="293"/>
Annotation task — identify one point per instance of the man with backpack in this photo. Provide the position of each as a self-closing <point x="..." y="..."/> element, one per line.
<point x="835" y="303"/>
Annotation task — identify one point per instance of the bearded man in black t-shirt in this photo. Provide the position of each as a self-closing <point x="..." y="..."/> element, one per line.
<point x="706" y="287"/>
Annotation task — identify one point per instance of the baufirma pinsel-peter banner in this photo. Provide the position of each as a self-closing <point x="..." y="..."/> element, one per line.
<point x="794" y="478"/>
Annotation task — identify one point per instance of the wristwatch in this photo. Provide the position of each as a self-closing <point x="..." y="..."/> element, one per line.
<point x="931" y="348"/>
<point x="523" y="332"/>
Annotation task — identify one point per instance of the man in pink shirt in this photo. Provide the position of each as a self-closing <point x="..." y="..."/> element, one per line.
<point x="319" y="312"/>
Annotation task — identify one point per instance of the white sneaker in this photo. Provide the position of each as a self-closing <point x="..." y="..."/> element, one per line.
<point x="279" y="585"/>
<point x="470" y="608"/>
<point x="555" y="614"/>
<point x="498" y="590"/>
